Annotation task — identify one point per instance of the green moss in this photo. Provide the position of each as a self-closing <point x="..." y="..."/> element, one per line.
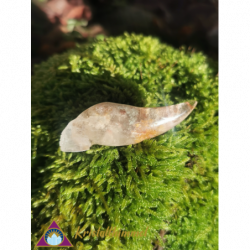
<point x="169" y="182"/>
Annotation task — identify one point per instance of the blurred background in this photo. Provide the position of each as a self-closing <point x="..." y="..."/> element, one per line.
<point x="58" y="25"/>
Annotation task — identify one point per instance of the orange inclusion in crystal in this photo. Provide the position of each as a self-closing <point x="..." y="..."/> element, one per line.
<point x="145" y="135"/>
<point x="142" y="133"/>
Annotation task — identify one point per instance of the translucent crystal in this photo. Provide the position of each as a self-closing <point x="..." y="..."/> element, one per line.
<point x="114" y="124"/>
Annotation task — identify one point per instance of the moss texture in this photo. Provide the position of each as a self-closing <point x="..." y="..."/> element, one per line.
<point x="166" y="183"/>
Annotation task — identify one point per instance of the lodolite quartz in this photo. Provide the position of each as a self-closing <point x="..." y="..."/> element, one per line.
<point x="114" y="124"/>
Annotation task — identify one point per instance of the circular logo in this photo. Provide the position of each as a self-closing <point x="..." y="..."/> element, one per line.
<point x="53" y="236"/>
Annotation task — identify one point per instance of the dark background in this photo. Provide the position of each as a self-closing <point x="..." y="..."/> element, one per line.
<point x="57" y="25"/>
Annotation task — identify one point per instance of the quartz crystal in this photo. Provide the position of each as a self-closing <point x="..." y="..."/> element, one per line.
<point x="114" y="124"/>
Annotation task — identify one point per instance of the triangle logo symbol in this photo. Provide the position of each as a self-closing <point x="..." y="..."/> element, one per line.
<point x="54" y="237"/>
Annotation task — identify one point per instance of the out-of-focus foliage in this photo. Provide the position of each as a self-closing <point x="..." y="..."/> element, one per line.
<point x="169" y="182"/>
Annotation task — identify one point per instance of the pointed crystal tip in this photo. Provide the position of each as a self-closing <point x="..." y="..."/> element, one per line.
<point x="192" y="103"/>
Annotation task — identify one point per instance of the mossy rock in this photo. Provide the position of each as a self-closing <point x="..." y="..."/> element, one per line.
<point x="166" y="183"/>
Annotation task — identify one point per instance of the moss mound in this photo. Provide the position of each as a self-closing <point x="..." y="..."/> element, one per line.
<point x="168" y="183"/>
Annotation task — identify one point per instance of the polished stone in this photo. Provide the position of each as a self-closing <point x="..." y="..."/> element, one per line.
<point x="114" y="124"/>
